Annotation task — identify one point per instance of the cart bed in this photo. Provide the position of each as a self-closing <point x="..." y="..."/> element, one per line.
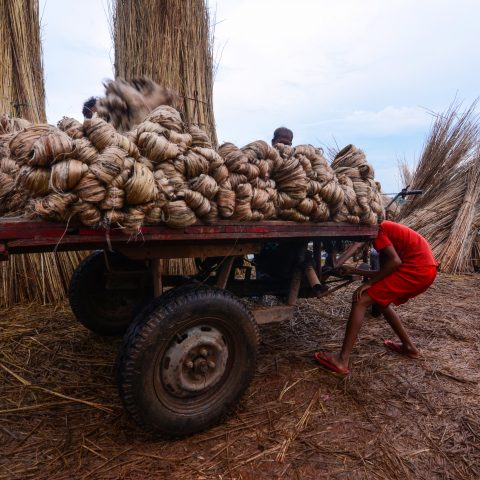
<point x="18" y="235"/>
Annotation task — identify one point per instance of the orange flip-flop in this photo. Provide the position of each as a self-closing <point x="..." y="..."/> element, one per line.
<point x="325" y="360"/>
<point x="398" y="348"/>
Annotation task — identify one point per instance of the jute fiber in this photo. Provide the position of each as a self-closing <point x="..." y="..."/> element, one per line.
<point x="165" y="171"/>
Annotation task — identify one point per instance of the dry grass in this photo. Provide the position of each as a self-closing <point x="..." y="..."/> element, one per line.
<point x="393" y="418"/>
<point x="169" y="42"/>
<point x="42" y="278"/>
<point x="21" y="69"/>
<point x="449" y="174"/>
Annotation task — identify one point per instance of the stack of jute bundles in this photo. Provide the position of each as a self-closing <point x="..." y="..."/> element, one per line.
<point x="362" y="195"/>
<point x="164" y="171"/>
<point x="102" y="178"/>
<point x="11" y="200"/>
<point x="290" y="183"/>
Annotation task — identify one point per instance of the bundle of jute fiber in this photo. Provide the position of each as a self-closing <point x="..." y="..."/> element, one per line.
<point x="164" y="171"/>
<point x="94" y="174"/>
<point x="362" y="195"/>
<point x="307" y="186"/>
<point x="250" y="192"/>
<point x="188" y="172"/>
<point x="127" y="103"/>
<point x="11" y="200"/>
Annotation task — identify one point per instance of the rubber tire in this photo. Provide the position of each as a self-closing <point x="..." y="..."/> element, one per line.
<point x="101" y="311"/>
<point x="147" y="340"/>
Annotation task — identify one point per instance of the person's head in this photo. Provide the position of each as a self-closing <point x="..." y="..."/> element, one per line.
<point x="282" y="135"/>
<point x="89" y="107"/>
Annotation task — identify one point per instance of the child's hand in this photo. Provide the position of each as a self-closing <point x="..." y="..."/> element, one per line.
<point x="345" y="270"/>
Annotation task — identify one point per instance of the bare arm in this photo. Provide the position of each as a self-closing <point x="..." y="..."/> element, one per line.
<point x="389" y="262"/>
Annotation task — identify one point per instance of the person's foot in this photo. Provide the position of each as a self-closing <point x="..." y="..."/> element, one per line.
<point x="332" y="363"/>
<point x="402" y="349"/>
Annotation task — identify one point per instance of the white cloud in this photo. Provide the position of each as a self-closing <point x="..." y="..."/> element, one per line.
<point x="388" y="121"/>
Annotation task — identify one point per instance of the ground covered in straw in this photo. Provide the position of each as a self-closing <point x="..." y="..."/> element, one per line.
<point x="393" y="418"/>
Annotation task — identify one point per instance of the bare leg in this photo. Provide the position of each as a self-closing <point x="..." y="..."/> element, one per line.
<point x="397" y="326"/>
<point x="355" y="322"/>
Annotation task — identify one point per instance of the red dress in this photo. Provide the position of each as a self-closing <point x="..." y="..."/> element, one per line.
<point x="417" y="271"/>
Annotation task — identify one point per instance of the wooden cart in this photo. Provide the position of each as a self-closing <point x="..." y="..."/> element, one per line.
<point x="190" y="342"/>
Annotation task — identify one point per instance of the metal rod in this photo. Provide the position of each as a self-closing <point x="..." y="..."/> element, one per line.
<point x="157" y="277"/>
<point x="224" y="272"/>
<point x="346" y="254"/>
<point x="320" y="294"/>
<point x="294" y="287"/>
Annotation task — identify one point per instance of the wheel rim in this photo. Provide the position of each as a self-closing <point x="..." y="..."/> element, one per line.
<point x="195" y="369"/>
<point x="195" y="361"/>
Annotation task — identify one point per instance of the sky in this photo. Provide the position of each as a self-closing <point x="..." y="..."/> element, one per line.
<point x="335" y="72"/>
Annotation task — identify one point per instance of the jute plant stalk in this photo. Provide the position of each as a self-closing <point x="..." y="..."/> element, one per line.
<point x="449" y="174"/>
<point x="36" y="277"/>
<point x="168" y="41"/>
<point x="22" y="91"/>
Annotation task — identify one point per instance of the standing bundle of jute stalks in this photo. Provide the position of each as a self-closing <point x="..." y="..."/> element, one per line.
<point x="164" y="171"/>
<point x="448" y="212"/>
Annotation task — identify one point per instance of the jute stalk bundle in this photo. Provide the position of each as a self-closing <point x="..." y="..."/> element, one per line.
<point x="21" y="73"/>
<point x="169" y="42"/>
<point x="447" y="214"/>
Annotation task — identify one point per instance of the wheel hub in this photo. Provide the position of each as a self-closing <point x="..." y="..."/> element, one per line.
<point x="194" y="362"/>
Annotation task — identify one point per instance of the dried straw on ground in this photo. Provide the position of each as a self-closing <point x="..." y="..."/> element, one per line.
<point x="22" y="91"/>
<point x="170" y="43"/>
<point x="393" y="418"/>
<point x="449" y="174"/>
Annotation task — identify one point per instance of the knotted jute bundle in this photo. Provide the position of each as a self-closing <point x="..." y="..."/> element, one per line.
<point x="164" y="171"/>
<point x="11" y="199"/>
<point x="362" y="195"/>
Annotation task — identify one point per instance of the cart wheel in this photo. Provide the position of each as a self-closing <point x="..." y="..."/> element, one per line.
<point x="101" y="310"/>
<point x="375" y="265"/>
<point x="186" y="361"/>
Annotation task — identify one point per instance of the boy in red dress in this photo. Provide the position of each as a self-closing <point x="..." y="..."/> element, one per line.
<point x="407" y="269"/>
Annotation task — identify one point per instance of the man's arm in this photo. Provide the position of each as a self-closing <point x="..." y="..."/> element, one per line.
<point x="389" y="262"/>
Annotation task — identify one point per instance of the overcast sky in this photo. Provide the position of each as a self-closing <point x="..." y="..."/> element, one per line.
<point x="334" y="71"/>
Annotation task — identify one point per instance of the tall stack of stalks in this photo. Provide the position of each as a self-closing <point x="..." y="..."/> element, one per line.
<point x="22" y="90"/>
<point x="40" y="277"/>
<point x="448" y="213"/>
<point x="169" y="42"/>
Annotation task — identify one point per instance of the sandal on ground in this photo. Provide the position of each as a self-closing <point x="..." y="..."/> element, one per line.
<point x="325" y="360"/>
<point x="398" y="348"/>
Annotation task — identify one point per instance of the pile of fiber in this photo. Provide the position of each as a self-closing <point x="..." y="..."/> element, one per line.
<point x="11" y="199"/>
<point x="363" y="199"/>
<point x="128" y="102"/>
<point x="165" y="171"/>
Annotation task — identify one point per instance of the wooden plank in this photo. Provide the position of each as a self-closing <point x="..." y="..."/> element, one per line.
<point x="189" y="250"/>
<point x="277" y="313"/>
<point x="24" y="236"/>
